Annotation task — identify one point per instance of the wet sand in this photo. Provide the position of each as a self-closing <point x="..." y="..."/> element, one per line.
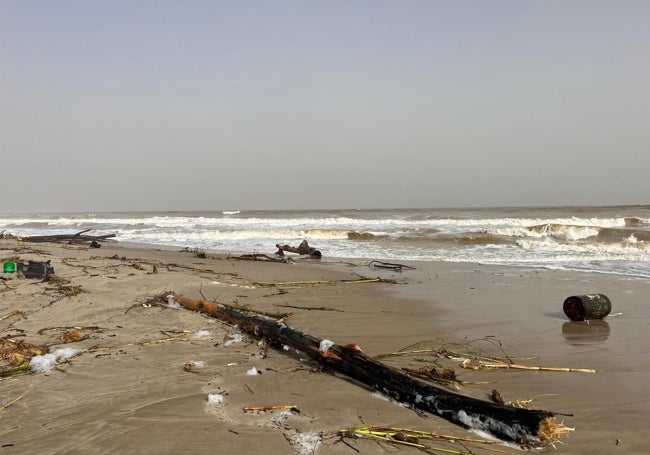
<point x="123" y="396"/>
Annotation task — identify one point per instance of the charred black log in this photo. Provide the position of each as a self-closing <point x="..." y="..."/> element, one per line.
<point x="302" y="249"/>
<point x="505" y="422"/>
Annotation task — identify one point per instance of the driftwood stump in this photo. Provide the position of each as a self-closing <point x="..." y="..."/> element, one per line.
<point x="302" y="249"/>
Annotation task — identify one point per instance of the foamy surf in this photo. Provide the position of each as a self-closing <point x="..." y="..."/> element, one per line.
<point x="583" y="238"/>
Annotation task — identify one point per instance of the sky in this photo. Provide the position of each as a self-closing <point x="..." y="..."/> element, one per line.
<point x="146" y="105"/>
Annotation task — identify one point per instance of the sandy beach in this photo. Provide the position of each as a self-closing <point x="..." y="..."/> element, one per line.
<point x="156" y="379"/>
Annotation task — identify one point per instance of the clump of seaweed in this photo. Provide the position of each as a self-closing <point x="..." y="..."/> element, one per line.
<point x="62" y="286"/>
<point x="15" y="356"/>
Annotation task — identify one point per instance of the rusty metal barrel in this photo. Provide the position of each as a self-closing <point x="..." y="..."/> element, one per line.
<point x="588" y="306"/>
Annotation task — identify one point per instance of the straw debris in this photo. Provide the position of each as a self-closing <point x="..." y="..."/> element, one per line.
<point x="422" y="440"/>
<point x="15" y="356"/>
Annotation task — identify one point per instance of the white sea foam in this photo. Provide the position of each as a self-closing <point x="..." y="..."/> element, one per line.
<point x="233" y="338"/>
<point x="303" y="443"/>
<point x="253" y="372"/>
<point x="325" y="345"/>
<point x="215" y="398"/>
<point x="45" y="362"/>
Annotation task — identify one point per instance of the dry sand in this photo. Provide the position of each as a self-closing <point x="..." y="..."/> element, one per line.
<point x="123" y="396"/>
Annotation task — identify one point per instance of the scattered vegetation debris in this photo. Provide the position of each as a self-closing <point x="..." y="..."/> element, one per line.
<point x="192" y="366"/>
<point x="310" y="283"/>
<point x="422" y="440"/>
<point x="62" y="286"/>
<point x="15" y="356"/>
<point x="12" y="313"/>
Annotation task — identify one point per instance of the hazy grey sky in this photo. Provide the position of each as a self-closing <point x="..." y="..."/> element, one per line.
<point x="154" y="105"/>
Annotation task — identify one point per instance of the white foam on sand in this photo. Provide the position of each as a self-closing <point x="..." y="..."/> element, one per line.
<point x="325" y="345"/>
<point x="171" y="303"/>
<point x="215" y="398"/>
<point x="234" y="338"/>
<point x="201" y="334"/>
<point x="253" y="372"/>
<point x="303" y="443"/>
<point x="45" y="362"/>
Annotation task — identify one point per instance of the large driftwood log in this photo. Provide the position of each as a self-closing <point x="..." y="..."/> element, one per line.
<point x="69" y="238"/>
<point x="303" y="249"/>
<point x="505" y="422"/>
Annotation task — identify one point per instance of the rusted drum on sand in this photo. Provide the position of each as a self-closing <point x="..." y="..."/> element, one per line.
<point x="585" y="307"/>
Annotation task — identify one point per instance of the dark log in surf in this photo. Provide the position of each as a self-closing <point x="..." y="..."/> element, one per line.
<point x="505" y="422"/>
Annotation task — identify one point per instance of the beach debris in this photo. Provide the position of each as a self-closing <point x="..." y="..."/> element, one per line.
<point x="586" y="307"/>
<point x="505" y="422"/>
<point x="310" y="283"/>
<point x="496" y="397"/>
<point x="30" y="269"/>
<point x="171" y="303"/>
<point x="262" y="257"/>
<point x="389" y="266"/>
<point x="191" y="366"/>
<point x="79" y="237"/>
<point x="15" y="400"/>
<point x="302" y="249"/>
<point x="62" y="286"/>
<point x="274" y="407"/>
<point x="201" y="334"/>
<point x="477" y="364"/>
<point x="248" y="309"/>
<point x="71" y="334"/>
<point x="253" y="372"/>
<point x="473" y="358"/>
<point x="158" y="341"/>
<point x="232" y="338"/>
<point x="422" y="440"/>
<point x="46" y="362"/>
<point x="303" y="443"/>
<point x="15" y="356"/>
<point x="12" y="313"/>
<point x="309" y="308"/>
<point x="444" y="376"/>
<point x="215" y="398"/>
<point x="263" y="344"/>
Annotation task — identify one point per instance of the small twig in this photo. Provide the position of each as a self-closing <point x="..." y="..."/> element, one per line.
<point x="322" y="308"/>
<point x="11" y="402"/>
<point x="11" y="313"/>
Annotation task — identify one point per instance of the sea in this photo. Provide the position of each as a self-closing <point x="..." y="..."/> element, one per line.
<point x="611" y="239"/>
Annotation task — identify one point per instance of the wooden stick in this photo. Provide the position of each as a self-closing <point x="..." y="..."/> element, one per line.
<point x="483" y="365"/>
